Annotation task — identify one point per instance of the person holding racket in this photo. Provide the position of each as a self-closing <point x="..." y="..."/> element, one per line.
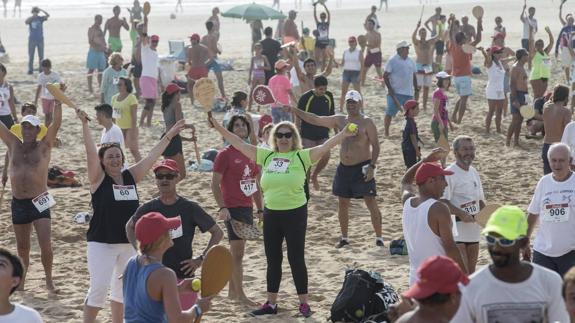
<point x="235" y="187"/>
<point x="114" y="199"/>
<point x="150" y="288"/>
<point x="284" y="169"/>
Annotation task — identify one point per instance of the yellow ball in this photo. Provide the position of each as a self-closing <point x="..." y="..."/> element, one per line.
<point x="359" y="313"/>
<point x="196" y="284"/>
<point x="352" y="127"/>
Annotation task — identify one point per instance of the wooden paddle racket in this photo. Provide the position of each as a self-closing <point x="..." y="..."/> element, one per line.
<point x="216" y="272"/>
<point x="483" y="216"/>
<point x="263" y="95"/>
<point x="477" y="12"/>
<point x="527" y="111"/>
<point x="147" y="8"/>
<point x="56" y="91"/>
<point x="362" y="41"/>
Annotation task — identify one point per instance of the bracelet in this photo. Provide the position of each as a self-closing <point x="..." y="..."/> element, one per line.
<point x="197" y="310"/>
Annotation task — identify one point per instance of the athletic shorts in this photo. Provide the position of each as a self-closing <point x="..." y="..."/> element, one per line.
<point x="48" y="105"/>
<point x="214" y="66"/>
<point x="372" y="59"/>
<point x="349" y="182"/>
<point x="439" y="47"/>
<point x="559" y="264"/>
<point x="115" y="44"/>
<point x="7" y="120"/>
<point x="137" y="69"/>
<point x="423" y="79"/>
<point x="196" y="73"/>
<point x="521" y="98"/>
<point x="463" y="85"/>
<point x="174" y="147"/>
<point x="24" y="212"/>
<point x="392" y="108"/>
<point x="241" y="214"/>
<point x="349" y="76"/>
<point x="96" y="60"/>
<point x="525" y="44"/>
<point x="149" y="87"/>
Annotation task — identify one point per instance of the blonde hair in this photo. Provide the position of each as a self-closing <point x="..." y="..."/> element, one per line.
<point x="146" y="249"/>
<point x="115" y="57"/>
<point x="296" y="138"/>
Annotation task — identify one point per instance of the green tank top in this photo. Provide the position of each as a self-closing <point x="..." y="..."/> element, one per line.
<point x="541" y="67"/>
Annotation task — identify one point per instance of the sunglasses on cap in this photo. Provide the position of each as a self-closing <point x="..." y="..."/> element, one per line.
<point x="500" y="241"/>
<point x="166" y="176"/>
<point x="286" y="135"/>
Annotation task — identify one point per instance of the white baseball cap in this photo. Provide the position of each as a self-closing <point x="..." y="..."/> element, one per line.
<point x="353" y="95"/>
<point x="442" y="75"/>
<point x="33" y="120"/>
<point x="402" y="44"/>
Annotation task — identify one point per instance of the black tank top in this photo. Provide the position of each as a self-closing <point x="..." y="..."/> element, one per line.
<point x="108" y="224"/>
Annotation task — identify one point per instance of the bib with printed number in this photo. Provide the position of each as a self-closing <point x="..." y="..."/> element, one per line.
<point x="116" y="113"/>
<point x="556" y="212"/>
<point x="43" y="201"/>
<point x="427" y="69"/>
<point x="178" y="232"/>
<point x="125" y="193"/>
<point x="248" y="186"/>
<point x="472" y="208"/>
<point x="278" y="165"/>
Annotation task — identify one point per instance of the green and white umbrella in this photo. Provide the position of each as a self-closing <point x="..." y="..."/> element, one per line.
<point x="252" y="12"/>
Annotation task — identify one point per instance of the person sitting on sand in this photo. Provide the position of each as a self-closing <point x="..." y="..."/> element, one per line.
<point x="556" y="116"/>
<point x="354" y="176"/>
<point x="535" y="124"/>
<point x="172" y="205"/>
<point x="114" y="26"/>
<point x="151" y="289"/>
<point x="11" y="276"/>
<point x="426" y="221"/>
<point x="518" y="91"/>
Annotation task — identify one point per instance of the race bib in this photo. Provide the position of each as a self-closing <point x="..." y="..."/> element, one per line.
<point x="116" y="114"/>
<point x="248" y="186"/>
<point x="278" y="165"/>
<point x="556" y="212"/>
<point x="471" y="208"/>
<point x="547" y="61"/>
<point x="125" y="193"/>
<point x="43" y="202"/>
<point x="178" y="232"/>
<point x="427" y="69"/>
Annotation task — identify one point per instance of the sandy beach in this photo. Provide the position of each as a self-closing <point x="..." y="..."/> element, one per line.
<point x="509" y="175"/>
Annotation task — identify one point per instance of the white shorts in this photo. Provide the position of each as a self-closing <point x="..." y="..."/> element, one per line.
<point x="495" y="93"/>
<point x="468" y="232"/>
<point x="106" y="263"/>
<point x="423" y="79"/>
<point x="566" y="58"/>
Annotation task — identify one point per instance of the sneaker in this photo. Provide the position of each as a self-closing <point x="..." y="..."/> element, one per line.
<point x="342" y="243"/>
<point x="267" y="308"/>
<point x="379" y="242"/>
<point x="305" y="310"/>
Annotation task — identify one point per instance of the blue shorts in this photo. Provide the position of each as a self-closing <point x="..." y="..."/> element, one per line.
<point x="279" y="115"/>
<point x="349" y="76"/>
<point x="392" y="109"/>
<point x="463" y="85"/>
<point x="96" y="60"/>
<point x="521" y="99"/>
<point x="214" y="66"/>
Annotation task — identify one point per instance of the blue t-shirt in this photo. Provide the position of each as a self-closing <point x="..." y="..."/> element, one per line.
<point x="564" y="35"/>
<point x="36" y="29"/>
<point x="409" y="128"/>
<point x="401" y="74"/>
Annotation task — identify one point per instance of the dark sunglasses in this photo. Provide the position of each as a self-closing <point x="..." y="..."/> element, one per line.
<point x="281" y="135"/>
<point x="166" y="176"/>
<point x="500" y="241"/>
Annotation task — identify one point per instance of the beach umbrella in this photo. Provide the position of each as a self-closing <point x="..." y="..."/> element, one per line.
<point x="253" y="11"/>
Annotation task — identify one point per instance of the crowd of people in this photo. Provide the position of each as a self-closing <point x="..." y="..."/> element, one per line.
<point x="272" y="160"/>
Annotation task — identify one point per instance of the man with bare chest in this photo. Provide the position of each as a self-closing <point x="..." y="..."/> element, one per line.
<point x="354" y="176"/>
<point x="556" y="116"/>
<point x="31" y="200"/>
<point x="424" y="61"/>
<point x="113" y="26"/>
<point x="198" y="58"/>
<point x="373" y="54"/>
<point x="211" y="42"/>
<point x="308" y="75"/>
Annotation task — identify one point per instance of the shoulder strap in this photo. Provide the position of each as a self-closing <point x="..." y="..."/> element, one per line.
<point x="308" y="103"/>
<point x="302" y="163"/>
<point x="266" y="159"/>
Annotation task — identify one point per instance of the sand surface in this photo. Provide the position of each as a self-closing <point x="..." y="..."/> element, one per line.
<point x="509" y="175"/>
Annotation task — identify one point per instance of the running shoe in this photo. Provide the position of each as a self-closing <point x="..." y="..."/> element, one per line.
<point x="342" y="243"/>
<point x="379" y="242"/>
<point x="267" y="308"/>
<point x="305" y="310"/>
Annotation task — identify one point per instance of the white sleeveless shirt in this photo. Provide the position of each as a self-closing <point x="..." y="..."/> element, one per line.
<point x="421" y="241"/>
<point x="351" y="60"/>
<point x="4" y="99"/>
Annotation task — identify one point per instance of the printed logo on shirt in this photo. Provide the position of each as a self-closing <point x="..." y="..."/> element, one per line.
<point x="515" y="312"/>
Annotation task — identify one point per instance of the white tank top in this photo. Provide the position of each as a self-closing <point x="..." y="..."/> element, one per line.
<point x="495" y="76"/>
<point x="421" y="241"/>
<point x="351" y="60"/>
<point x="4" y="99"/>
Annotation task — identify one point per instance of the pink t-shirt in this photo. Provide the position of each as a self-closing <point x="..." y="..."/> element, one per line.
<point x="280" y="86"/>
<point x="439" y="95"/>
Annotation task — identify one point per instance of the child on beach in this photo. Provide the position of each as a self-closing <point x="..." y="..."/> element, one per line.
<point x="46" y="77"/>
<point x="409" y="144"/>
<point x="440" y="120"/>
<point x="257" y="74"/>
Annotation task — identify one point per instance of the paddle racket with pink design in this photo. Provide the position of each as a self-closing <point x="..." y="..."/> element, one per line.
<point x="263" y="95"/>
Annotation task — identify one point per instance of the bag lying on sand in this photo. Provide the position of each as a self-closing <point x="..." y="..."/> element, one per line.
<point x="364" y="296"/>
<point x="57" y="177"/>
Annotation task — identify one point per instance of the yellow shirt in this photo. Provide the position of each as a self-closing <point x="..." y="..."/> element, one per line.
<point x="309" y="43"/>
<point x="17" y="130"/>
<point x="122" y="110"/>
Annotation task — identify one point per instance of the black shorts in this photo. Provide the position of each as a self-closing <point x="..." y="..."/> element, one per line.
<point x="350" y="183"/>
<point x="137" y="69"/>
<point x="241" y="214"/>
<point x="439" y="47"/>
<point x="7" y="120"/>
<point x="525" y="44"/>
<point x="409" y="157"/>
<point x="174" y="148"/>
<point x="24" y="212"/>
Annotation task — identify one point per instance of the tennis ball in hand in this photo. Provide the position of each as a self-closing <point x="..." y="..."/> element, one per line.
<point x="352" y="127"/>
<point x="196" y="284"/>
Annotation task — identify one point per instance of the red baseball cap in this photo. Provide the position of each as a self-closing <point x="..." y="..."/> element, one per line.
<point x="428" y="170"/>
<point x="352" y="39"/>
<point x="153" y="225"/>
<point x="172" y="88"/>
<point x="437" y="274"/>
<point x="168" y="164"/>
<point x="195" y="37"/>
<point x="409" y="104"/>
<point x="155" y="38"/>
